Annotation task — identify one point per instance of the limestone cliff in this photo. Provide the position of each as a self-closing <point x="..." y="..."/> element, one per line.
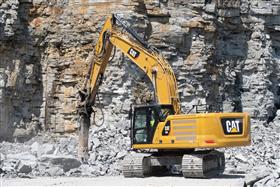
<point x="225" y="53"/>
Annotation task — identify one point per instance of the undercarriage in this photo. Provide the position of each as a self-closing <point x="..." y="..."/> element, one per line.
<point x="198" y="164"/>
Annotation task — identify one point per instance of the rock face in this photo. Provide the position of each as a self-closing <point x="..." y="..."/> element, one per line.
<point x="45" y="46"/>
<point x="20" y="73"/>
<point x="224" y="53"/>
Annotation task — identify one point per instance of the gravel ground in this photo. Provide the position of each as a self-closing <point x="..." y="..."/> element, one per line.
<point x="225" y="180"/>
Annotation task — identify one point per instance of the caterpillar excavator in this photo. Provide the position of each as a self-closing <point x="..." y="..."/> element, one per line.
<point x="162" y="135"/>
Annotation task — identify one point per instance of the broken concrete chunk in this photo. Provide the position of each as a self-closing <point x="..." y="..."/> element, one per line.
<point x="241" y="158"/>
<point x="46" y="149"/>
<point x="66" y="162"/>
<point x="24" y="167"/>
<point x="121" y="154"/>
<point x="21" y="156"/>
<point x="258" y="174"/>
<point x="55" y="171"/>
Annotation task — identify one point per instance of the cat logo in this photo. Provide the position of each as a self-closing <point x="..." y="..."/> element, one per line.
<point x="166" y="129"/>
<point x="133" y="53"/>
<point x="232" y="126"/>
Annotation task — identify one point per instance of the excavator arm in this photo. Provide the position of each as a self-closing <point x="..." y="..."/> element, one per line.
<point x="147" y="59"/>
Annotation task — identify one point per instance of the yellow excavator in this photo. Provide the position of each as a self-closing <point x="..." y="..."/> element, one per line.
<point x="161" y="135"/>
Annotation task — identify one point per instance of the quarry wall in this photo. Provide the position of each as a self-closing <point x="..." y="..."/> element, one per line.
<point x="225" y="53"/>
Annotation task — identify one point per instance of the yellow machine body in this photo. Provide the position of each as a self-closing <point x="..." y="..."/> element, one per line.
<point x="200" y="131"/>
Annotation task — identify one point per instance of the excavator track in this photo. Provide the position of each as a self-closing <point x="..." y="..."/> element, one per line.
<point x="221" y="161"/>
<point x="137" y="166"/>
<point x="199" y="164"/>
<point x="203" y="164"/>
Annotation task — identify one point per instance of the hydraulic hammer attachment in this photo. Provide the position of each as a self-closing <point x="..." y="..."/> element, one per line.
<point x="84" y="122"/>
<point x="84" y="112"/>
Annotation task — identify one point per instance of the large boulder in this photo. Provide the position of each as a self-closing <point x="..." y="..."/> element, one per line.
<point x="42" y="149"/>
<point x="256" y="175"/>
<point x="65" y="162"/>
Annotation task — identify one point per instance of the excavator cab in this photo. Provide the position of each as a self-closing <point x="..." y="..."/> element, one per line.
<point x="145" y="120"/>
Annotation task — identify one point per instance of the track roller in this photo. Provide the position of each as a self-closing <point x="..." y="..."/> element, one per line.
<point x="136" y="165"/>
<point x="203" y="164"/>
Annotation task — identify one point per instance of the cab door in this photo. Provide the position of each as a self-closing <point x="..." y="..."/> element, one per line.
<point x="144" y="123"/>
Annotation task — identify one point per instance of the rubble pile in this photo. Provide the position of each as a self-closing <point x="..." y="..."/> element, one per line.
<point x="54" y="155"/>
<point x="260" y="162"/>
<point x="224" y="53"/>
<point x="44" y="155"/>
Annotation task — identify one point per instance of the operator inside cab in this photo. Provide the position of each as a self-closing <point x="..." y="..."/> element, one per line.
<point x="152" y="119"/>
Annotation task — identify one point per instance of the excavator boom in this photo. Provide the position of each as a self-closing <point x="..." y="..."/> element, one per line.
<point x="149" y="61"/>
